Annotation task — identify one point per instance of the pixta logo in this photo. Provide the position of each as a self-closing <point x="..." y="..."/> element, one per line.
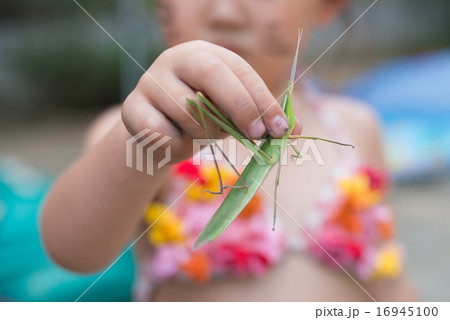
<point x="140" y="142"/>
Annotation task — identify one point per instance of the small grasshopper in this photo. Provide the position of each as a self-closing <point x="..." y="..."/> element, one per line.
<point x="265" y="157"/>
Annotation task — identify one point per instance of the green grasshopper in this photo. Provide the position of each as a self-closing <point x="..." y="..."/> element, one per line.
<point x="265" y="157"/>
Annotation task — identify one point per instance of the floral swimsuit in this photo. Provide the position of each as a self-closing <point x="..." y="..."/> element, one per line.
<point x="349" y="227"/>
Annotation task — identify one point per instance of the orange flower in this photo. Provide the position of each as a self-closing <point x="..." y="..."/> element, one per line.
<point x="252" y="207"/>
<point x="358" y="195"/>
<point x="385" y="229"/>
<point x="348" y="217"/>
<point x="198" y="267"/>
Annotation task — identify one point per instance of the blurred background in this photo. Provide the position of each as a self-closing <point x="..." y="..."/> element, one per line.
<point x="58" y="70"/>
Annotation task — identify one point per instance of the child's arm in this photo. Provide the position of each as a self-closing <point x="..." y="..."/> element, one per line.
<point x="96" y="205"/>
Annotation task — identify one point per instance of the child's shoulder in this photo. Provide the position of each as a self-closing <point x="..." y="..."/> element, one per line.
<point x="360" y="121"/>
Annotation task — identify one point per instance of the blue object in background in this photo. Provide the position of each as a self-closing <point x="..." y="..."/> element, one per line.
<point x="26" y="273"/>
<point x="412" y="96"/>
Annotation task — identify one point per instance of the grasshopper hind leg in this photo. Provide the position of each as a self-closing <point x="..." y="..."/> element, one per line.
<point x="221" y="185"/>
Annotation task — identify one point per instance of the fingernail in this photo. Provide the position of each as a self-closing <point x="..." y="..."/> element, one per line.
<point x="279" y="126"/>
<point x="257" y="129"/>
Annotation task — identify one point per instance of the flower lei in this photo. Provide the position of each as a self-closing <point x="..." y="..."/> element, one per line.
<point x="247" y="247"/>
<point x="358" y="233"/>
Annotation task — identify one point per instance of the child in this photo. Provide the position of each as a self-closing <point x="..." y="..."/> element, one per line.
<point x="242" y="63"/>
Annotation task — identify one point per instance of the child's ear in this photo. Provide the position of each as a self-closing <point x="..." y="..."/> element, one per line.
<point x="330" y="9"/>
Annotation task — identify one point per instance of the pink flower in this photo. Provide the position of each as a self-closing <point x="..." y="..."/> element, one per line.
<point x="379" y="223"/>
<point x="343" y="248"/>
<point x="196" y="215"/>
<point x="240" y="260"/>
<point x="378" y="178"/>
<point x="167" y="260"/>
<point x="246" y="247"/>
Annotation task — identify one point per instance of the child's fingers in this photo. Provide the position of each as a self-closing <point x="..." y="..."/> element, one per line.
<point x="270" y="110"/>
<point x="139" y="114"/>
<point x="207" y="73"/>
<point x="172" y="102"/>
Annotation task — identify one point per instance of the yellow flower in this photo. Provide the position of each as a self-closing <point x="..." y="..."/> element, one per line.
<point x="358" y="190"/>
<point x="209" y="175"/>
<point x="388" y="262"/>
<point x="166" y="226"/>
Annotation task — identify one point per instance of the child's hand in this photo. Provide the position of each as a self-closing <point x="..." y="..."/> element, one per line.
<point x="159" y="100"/>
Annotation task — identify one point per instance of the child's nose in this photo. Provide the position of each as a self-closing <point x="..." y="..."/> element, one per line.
<point x="227" y="14"/>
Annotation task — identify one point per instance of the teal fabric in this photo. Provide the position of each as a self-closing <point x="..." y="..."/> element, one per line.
<point x="26" y="272"/>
